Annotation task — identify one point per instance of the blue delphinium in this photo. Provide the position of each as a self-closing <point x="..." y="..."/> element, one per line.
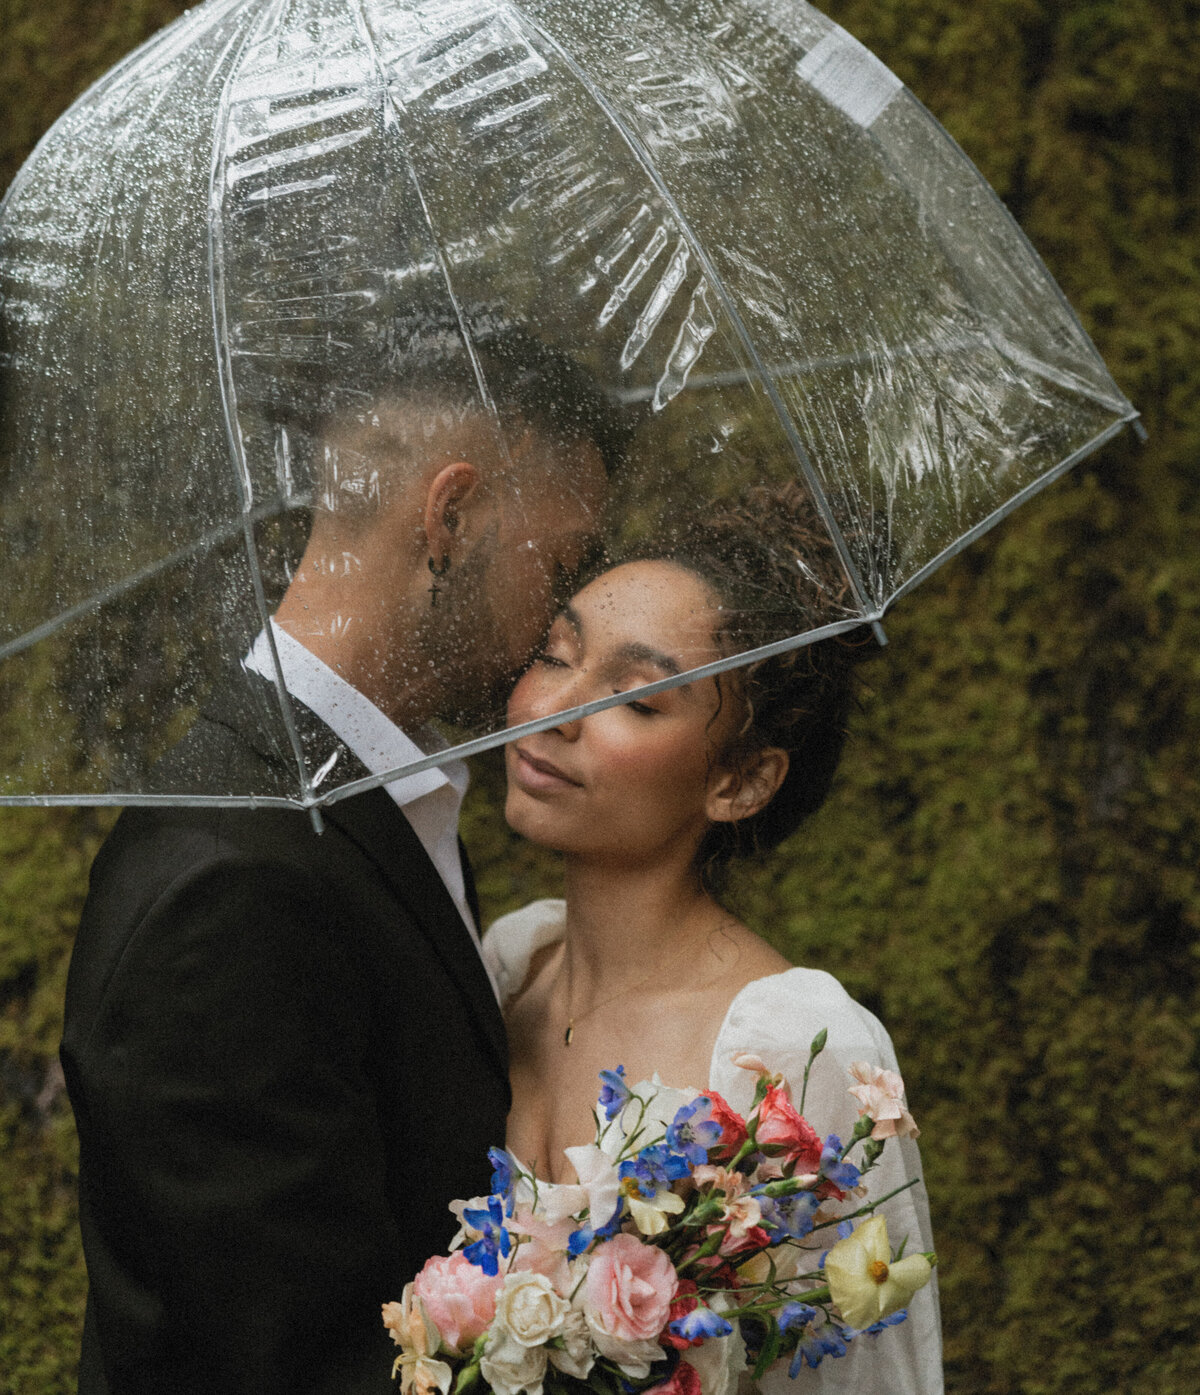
<point x="842" y="1174"/>
<point x="614" y="1093"/>
<point x="700" y="1324"/>
<point x="654" y="1167"/>
<point x="693" y="1131"/>
<point x="793" y="1315"/>
<point x="504" y="1176"/>
<point x="493" y="1240"/>
<point x="815" y="1344"/>
<point x="876" y="1328"/>
<point x="579" y="1240"/>
<point x="791" y="1214"/>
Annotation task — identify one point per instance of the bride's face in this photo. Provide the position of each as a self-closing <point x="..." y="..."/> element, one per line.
<point x="636" y="780"/>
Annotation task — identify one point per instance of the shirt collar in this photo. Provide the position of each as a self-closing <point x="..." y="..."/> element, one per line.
<point x="373" y="737"/>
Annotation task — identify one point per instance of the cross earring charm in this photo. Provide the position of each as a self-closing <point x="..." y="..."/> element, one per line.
<point x="438" y="573"/>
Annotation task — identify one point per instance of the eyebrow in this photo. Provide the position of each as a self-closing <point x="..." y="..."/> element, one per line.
<point x="643" y="654"/>
<point x="632" y="653"/>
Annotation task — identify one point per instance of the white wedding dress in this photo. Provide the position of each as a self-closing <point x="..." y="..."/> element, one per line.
<point x="776" y="1018"/>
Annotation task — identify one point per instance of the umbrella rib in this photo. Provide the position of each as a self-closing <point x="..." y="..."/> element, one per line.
<point x="436" y="242"/>
<point x="919" y="348"/>
<point x="216" y="282"/>
<point x="467" y="748"/>
<point x="642" y="155"/>
<point x="502" y="738"/>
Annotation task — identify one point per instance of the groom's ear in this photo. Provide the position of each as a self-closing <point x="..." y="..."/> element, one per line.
<point x="450" y="496"/>
<point x="741" y="793"/>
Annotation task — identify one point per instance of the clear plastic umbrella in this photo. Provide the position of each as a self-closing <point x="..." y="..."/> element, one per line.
<point x="289" y="241"/>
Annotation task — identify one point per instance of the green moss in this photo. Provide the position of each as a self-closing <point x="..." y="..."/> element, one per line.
<point x="1007" y="873"/>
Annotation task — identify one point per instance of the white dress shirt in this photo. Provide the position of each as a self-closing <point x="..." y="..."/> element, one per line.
<point x="430" y="800"/>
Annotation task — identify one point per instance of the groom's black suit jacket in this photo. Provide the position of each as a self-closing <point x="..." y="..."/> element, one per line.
<point x="285" y="1059"/>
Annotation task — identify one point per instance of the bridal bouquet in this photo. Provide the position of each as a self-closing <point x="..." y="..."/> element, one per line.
<point x="691" y="1247"/>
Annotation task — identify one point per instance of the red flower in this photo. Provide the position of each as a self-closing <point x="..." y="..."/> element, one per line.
<point x="683" y="1380"/>
<point x="733" y="1128"/>
<point x="783" y="1132"/>
<point x="756" y="1238"/>
<point x="684" y="1301"/>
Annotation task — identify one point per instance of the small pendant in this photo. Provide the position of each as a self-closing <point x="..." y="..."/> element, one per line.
<point x="569" y="1034"/>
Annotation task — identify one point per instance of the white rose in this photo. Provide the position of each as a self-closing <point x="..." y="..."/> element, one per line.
<point x="575" y="1357"/>
<point x="528" y="1307"/>
<point x="509" y="1367"/>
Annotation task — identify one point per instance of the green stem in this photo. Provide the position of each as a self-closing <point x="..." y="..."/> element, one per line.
<point x="706" y="1250"/>
<point x="864" y="1126"/>
<point x="866" y="1209"/>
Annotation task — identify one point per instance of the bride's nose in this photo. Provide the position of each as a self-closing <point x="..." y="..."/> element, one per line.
<point x="570" y="730"/>
<point x="565" y="698"/>
<point x="560" y="697"/>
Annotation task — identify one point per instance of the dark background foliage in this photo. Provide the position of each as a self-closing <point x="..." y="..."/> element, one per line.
<point x="1008" y="870"/>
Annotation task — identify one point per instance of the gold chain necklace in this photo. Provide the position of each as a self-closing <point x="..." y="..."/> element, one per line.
<point x="572" y="1018"/>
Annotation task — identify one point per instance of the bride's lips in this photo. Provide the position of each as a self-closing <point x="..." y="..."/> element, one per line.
<point x="535" y="774"/>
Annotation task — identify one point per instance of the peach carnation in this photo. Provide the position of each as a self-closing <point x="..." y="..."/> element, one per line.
<point x="880" y="1096"/>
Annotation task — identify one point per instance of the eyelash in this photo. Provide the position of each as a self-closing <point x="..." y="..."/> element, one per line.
<point x="551" y="661"/>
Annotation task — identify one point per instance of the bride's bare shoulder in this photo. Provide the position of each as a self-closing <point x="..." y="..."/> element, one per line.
<point x="744" y="955"/>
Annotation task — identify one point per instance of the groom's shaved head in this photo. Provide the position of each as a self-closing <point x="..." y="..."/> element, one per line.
<point x="429" y="398"/>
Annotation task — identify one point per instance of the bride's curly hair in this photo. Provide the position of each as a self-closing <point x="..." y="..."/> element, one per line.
<point x="774" y="572"/>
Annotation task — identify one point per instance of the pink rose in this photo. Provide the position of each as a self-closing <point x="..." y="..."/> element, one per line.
<point x="459" y="1297"/>
<point x="629" y="1288"/>
<point x="779" y="1126"/>
<point x="536" y="1257"/>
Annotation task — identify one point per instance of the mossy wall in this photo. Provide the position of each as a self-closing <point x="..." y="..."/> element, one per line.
<point x="1008" y="872"/>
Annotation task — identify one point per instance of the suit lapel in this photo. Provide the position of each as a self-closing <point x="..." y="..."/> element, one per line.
<point x="374" y="823"/>
<point x="469" y="886"/>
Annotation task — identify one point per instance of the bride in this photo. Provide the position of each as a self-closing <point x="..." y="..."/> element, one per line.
<point x="641" y="965"/>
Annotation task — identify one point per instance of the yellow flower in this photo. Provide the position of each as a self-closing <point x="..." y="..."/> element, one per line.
<point x="864" y="1282"/>
<point x="650" y="1212"/>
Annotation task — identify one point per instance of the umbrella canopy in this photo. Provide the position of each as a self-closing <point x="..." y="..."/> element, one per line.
<point x="290" y="250"/>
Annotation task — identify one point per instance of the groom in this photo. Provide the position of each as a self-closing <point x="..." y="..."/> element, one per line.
<point x="283" y="1050"/>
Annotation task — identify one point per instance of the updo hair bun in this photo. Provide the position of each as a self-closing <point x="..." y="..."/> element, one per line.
<point x="774" y="572"/>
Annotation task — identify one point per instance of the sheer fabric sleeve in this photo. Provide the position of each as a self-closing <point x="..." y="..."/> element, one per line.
<point x="776" y="1019"/>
